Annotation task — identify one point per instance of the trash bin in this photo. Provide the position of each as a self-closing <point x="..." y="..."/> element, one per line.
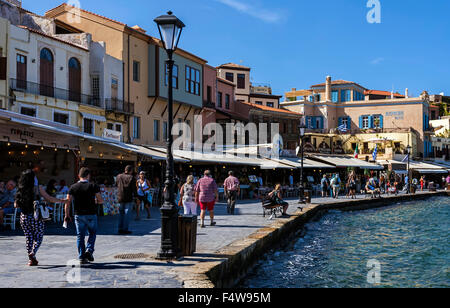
<point x="308" y="196"/>
<point x="187" y="234"/>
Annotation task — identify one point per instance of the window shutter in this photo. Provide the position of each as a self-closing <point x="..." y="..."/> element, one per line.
<point x="381" y="121"/>
<point x="340" y="122"/>
<point x="361" y="122"/>
<point x="321" y="123"/>
<point x="349" y="123"/>
<point x="371" y="122"/>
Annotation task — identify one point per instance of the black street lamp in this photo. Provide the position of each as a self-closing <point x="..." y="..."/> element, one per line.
<point x="170" y="28"/>
<point x="302" y="127"/>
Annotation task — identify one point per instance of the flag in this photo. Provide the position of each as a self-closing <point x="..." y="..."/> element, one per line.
<point x="405" y="159"/>
<point x="342" y="128"/>
<point x="356" y="151"/>
<point x="375" y="153"/>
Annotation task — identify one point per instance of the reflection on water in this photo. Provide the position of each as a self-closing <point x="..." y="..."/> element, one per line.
<point x="410" y="240"/>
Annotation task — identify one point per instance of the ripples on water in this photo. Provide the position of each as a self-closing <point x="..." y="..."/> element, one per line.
<point x="410" y="240"/>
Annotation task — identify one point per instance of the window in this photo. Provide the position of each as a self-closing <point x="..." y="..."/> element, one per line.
<point x="227" y="101"/>
<point x="118" y="128"/>
<point x="62" y="118"/>
<point x="270" y="104"/>
<point x="165" y="128"/>
<point x="21" y="74"/>
<point x="192" y="80"/>
<point x="95" y="82"/>
<point x="156" y="130"/>
<point x="46" y="73"/>
<point x="345" y="122"/>
<point x="74" y="80"/>
<point x="88" y="126"/>
<point x="358" y="96"/>
<point x="209" y="94"/>
<point x="365" y="122"/>
<point x="136" y="128"/>
<point x="29" y="111"/>
<point x="174" y="77"/>
<point x="335" y="96"/>
<point x="136" y="71"/>
<point x="110" y="126"/>
<point x="229" y="77"/>
<point x="258" y="103"/>
<point x="219" y="99"/>
<point x="114" y="88"/>
<point x="377" y="121"/>
<point x="241" y="81"/>
<point x="346" y="95"/>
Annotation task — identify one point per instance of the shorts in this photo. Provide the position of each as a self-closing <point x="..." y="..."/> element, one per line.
<point x="207" y="206"/>
<point x="143" y="199"/>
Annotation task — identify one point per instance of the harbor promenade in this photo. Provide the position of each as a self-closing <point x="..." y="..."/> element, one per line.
<point x="129" y="261"/>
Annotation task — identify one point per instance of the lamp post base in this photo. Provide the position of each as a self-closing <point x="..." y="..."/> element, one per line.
<point x="169" y="233"/>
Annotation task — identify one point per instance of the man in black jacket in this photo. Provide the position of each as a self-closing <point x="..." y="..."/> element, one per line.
<point x="127" y="192"/>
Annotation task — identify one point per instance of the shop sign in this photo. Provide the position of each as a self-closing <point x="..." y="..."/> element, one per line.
<point x="324" y="148"/>
<point x="338" y="150"/>
<point x="309" y="148"/>
<point x="112" y="134"/>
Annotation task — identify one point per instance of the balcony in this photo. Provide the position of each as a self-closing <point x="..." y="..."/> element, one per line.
<point x="118" y="106"/>
<point x="49" y="91"/>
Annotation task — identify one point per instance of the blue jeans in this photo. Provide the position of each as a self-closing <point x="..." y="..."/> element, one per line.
<point x="125" y="210"/>
<point x="85" y="223"/>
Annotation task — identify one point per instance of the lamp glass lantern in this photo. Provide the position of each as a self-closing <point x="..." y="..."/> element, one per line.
<point x="302" y="128"/>
<point x="170" y="28"/>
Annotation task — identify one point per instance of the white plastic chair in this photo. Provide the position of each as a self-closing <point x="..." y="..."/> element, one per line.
<point x="10" y="220"/>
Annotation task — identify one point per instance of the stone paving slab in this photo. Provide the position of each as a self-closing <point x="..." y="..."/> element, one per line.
<point x="59" y="247"/>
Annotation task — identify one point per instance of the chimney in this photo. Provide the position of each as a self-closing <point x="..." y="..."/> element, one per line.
<point x="407" y="93"/>
<point x="328" y="89"/>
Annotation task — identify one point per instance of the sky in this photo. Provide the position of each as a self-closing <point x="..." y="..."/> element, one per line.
<point x="297" y="43"/>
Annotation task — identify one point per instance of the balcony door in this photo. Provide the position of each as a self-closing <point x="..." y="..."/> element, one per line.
<point x="21" y="71"/>
<point x="74" y="80"/>
<point x="46" y="73"/>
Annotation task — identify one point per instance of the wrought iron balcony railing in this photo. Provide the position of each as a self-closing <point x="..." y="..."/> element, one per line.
<point x="49" y="91"/>
<point x="118" y="106"/>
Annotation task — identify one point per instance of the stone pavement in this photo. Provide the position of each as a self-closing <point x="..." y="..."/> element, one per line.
<point x="59" y="248"/>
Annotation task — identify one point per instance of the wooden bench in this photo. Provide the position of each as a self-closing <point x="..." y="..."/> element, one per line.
<point x="270" y="208"/>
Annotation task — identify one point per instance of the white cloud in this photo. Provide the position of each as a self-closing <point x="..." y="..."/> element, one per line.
<point x="377" y="61"/>
<point x="254" y="11"/>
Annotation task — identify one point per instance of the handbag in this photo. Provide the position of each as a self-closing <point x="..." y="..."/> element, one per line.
<point x="41" y="211"/>
<point x="149" y="196"/>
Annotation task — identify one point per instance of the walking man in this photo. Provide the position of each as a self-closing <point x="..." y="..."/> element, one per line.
<point x="127" y="192"/>
<point x="206" y="195"/>
<point x="84" y="196"/>
<point x="232" y="191"/>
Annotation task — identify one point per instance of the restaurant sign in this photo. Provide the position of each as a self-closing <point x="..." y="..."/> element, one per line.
<point x="324" y="148"/>
<point x="112" y="134"/>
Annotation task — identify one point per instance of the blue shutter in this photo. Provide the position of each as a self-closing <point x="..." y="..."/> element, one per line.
<point x="349" y="123"/>
<point x="381" y="121"/>
<point x="313" y="122"/>
<point x="370" y="121"/>
<point x="321" y="123"/>
<point x="339" y="122"/>
<point x="361" y="122"/>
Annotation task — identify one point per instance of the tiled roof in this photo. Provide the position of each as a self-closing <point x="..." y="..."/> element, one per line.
<point x="226" y="81"/>
<point x="265" y="108"/>
<point x="337" y="82"/>
<point x="65" y="4"/>
<point x="234" y="65"/>
<point x="383" y="93"/>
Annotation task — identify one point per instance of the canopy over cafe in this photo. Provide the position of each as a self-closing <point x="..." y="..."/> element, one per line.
<point x="24" y="145"/>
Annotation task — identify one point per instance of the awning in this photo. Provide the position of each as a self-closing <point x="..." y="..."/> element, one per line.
<point x="426" y="168"/>
<point x="296" y="163"/>
<point x="432" y="171"/>
<point x="340" y="161"/>
<point x="93" y="117"/>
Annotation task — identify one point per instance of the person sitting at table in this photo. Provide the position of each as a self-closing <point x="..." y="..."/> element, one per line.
<point x="51" y="188"/>
<point x="7" y="201"/>
<point x="277" y="199"/>
<point x="63" y="189"/>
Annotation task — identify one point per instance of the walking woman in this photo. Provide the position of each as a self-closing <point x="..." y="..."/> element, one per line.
<point x="143" y="190"/>
<point x="352" y="186"/>
<point x="187" y="197"/>
<point x="28" y="192"/>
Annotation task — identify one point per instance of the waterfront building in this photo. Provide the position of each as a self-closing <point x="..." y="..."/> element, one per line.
<point x="245" y="90"/>
<point x="145" y="78"/>
<point x="394" y="122"/>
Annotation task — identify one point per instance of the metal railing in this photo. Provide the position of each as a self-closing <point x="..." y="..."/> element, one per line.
<point x="207" y="104"/>
<point x="119" y="106"/>
<point x="50" y="91"/>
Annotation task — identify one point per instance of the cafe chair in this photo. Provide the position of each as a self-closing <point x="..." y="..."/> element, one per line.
<point x="10" y="220"/>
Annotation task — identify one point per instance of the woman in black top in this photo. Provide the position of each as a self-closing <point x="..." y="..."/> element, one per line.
<point x="27" y="193"/>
